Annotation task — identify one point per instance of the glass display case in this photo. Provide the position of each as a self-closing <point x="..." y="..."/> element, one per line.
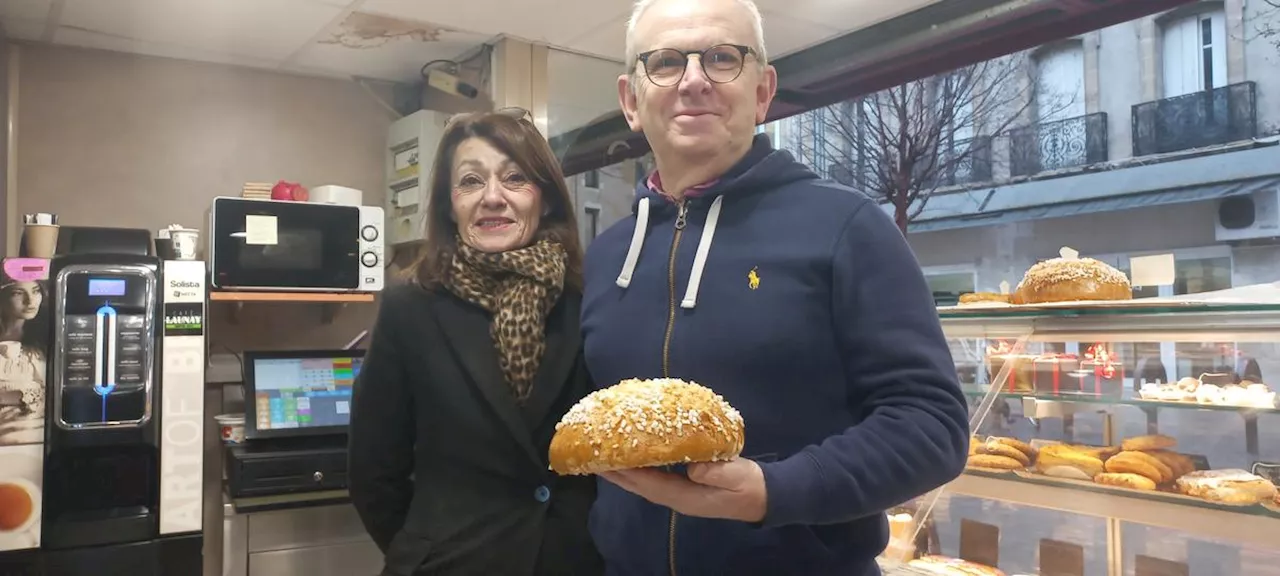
<point x="1128" y="438"/>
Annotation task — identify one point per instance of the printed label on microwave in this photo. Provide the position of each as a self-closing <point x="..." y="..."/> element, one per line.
<point x="260" y="230"/>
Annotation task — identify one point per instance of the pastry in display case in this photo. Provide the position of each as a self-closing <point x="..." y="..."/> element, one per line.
<point x="1070" y="278"/>
<point x="974" y="298"/>
<point x="1139" y="477"/>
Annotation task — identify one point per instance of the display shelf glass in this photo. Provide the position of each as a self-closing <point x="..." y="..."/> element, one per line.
<point x="1197" y="380"/>
<point x="1139" y="307"/>
<point x="980" y="391"/>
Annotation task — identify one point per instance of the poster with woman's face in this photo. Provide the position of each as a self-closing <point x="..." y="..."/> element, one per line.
<point x="23" y="348"/>
<point x="23" y="331"/>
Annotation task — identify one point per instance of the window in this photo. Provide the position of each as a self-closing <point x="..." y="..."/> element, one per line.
<point x="1195" y="54"/>
<point x="591" y="179"/>
<point x="1060" y="75"/>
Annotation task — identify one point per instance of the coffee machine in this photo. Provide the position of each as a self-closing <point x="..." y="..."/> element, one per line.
<point x="122" y="482"/>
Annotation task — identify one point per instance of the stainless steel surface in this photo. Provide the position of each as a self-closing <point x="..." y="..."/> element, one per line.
<point x="319" y="541"/>
<point x="234" y="556"/>
<point x="353" y="559"/>
<point x="304" y="527"/>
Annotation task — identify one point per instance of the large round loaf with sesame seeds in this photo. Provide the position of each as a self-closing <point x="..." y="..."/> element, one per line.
<point x="1071" y="280"/>
<point x="645" y="423"/>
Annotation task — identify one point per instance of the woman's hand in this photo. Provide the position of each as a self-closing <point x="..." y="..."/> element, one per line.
<point x="733" y="490"/>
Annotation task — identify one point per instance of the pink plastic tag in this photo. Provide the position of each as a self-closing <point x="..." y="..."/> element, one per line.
<point x="27" y="269"/>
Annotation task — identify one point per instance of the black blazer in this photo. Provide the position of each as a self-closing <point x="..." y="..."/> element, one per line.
<point x="448" y="473"/>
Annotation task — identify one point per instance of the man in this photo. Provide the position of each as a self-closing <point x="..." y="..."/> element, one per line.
<point x="797" y="300"/>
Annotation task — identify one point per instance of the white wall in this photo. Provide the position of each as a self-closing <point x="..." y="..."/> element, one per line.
<point x="1262" y="60"/>
<point x="1119" y="87"/>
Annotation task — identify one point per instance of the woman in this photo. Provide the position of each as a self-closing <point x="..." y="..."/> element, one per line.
<point x="22" y="350"/>
<point x="470" y="367"/>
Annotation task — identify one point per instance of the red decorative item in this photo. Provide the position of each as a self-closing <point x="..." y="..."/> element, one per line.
<point x="1108" y="373"/>
<point x="289" y="191"/>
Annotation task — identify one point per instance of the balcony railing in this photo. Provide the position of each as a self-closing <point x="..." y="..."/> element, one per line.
<point x="1195" y="120"/>
<point x="1078" y="141"/>
<point x="972" y="166"/>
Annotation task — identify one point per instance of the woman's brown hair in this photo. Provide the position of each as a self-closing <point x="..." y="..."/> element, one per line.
<point x="519" y="140"/>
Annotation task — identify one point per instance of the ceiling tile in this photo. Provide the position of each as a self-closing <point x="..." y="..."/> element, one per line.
<point x="31" y="10"/>
<point x="385" y="48"/>
<point x="783" y="34"/>
<point x="550" y="21"/>
<point x="85" y="39"/>
<point x="262" y="29"/>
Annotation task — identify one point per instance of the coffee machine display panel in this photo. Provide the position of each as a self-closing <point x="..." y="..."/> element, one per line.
<point x="105" y="347"/>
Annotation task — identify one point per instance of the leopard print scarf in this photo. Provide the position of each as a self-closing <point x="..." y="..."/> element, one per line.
<point x="519" y="288"/>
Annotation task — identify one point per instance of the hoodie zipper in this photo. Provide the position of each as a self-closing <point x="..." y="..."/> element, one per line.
<point x="666" y="353"/>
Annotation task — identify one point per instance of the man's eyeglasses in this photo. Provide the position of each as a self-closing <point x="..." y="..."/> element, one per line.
<point x="513" y="112"/>
<point x="721" y="64"/>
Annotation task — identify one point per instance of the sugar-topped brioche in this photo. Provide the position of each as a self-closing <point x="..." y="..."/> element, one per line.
<point x="1072" y="279"/>
<point x="644" y="423"/>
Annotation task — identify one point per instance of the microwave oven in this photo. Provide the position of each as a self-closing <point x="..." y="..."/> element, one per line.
<point x="295" y="246"/>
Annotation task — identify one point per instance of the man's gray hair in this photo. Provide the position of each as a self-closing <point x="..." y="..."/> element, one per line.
<point x="757" y="29"/>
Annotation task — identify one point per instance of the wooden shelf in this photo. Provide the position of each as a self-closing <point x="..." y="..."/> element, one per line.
<point x="1205" y="521"/>
<point x="331" y="302"/>
<point x="302" y="297"/>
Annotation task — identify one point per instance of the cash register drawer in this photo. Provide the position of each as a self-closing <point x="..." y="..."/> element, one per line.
<point x="265" y="473"/>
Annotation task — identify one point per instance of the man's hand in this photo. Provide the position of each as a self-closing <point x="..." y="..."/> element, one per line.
<point x="731" y="490"/>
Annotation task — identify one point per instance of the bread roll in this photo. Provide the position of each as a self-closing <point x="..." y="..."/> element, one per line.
<point x="995" y="462"/>
<point x="1068" y="462"/>
<point x="1070" y="280"/>
<point x="1016" y="443"/>
<point x="996" y="448"/>
<point x="1148" y="442"/>
<point x="1125" y="480"/>
<point x="983" y="297"/>
<point x="1180" y="464"/>
<point x="645" y="423"/>
<point x="1133" y="462"/>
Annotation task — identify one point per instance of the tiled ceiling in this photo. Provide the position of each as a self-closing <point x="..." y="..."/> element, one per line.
<point x="384" y="39"/>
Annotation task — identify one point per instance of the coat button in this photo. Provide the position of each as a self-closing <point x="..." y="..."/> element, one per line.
<point x="542" y="494"/>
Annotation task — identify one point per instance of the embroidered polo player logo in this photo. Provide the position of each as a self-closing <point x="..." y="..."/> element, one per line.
<point x="753" y="279"/>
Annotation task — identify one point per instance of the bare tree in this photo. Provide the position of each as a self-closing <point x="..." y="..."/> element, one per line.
<point x="1265" y="23"/>
<point x="902" y="144"/>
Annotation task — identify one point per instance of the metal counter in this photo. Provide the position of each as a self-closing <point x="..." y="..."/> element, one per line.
<point x="324" y="539"/>
<point x="311" y="541"/>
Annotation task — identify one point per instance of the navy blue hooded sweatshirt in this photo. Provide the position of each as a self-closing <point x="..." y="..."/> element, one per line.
<point x="801" y="303"/>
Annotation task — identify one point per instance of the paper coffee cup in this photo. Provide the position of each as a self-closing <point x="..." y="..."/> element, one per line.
<point x="230" y="427"/>
<point x="41" y="240"/>
<point x="184" y="243"/>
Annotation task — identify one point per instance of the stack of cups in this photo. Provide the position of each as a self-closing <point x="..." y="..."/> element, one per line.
<point x="40" y="235"/>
